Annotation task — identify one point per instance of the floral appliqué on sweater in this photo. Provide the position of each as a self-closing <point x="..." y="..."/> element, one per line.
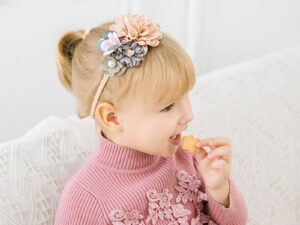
<point x="160" y="207"/>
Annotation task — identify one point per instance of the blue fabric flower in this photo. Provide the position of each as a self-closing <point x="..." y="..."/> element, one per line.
<point x="109" y="42"/>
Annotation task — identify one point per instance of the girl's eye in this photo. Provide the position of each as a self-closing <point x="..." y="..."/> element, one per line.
<point x="168" y="108"/>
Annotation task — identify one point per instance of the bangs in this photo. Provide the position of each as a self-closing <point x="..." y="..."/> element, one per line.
<point x="165" y="75"/>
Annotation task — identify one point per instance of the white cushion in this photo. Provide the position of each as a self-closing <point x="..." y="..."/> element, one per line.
<point x="35" y="167"/>
<point x="255" y="103"/>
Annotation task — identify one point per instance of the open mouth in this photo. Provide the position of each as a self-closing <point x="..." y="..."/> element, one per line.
<point x="175" y="140"/>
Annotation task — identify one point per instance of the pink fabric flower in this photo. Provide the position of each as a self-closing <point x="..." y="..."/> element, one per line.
<point x="152" y="195"/>
<point x="188" y="188"/>
<point x="201" y="196"/>
<point x="165" y="198"/>
<point x="180" y="211"/>
<point x="132" y="218"/>
<point x="183" y="220"/>
<point x="160" y="207"/>
<point x="120" y="217"/>
<point x="109" y="43"/>
<point x="139" y="28"/>
<point x="196" y="221"/>
<point x="168" y="213"/>
<point x="116" y="215"/>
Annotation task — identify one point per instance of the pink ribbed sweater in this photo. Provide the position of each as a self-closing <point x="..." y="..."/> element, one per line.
<point x="119" y="185"/>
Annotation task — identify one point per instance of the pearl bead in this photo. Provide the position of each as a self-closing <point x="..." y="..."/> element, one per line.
<point x="111" y="63"/>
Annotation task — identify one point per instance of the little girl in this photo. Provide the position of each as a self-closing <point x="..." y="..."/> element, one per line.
<point x="134" y="81"/>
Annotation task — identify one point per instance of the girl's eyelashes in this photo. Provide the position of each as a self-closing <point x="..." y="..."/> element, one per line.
<point x="168" y="108"/>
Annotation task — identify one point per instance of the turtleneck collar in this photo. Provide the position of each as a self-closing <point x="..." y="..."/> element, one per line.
<point x="115" y="156"/>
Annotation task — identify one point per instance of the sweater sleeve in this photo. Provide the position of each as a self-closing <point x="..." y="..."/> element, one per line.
<point x="235" y="214"/>
<point x="77" y="206"/>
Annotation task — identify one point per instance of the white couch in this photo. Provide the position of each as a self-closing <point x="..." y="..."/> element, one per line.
<point x="255" y="103"/>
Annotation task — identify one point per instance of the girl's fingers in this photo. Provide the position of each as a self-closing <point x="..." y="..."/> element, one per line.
<point x="223" y="152"/>
<point x="201" y="154"/>
<point x="218" y="164"/>
<point x="214" y="142"/>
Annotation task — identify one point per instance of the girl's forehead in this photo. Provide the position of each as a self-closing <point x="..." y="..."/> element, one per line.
<point x="144" y="102"/>
<point x="173" y="98"/>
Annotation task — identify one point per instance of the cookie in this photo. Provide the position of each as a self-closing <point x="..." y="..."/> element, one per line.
<point x="189" y="143"/>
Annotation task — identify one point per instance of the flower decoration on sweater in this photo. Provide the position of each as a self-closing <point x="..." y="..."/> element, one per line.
<point x="127" y="42"/>
<point x="188" y="186"/>
<point x="120" y="217"/>
<point x="161" y="208"/>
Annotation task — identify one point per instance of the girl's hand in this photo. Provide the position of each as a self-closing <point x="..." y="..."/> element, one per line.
<point x="215" y="166"/>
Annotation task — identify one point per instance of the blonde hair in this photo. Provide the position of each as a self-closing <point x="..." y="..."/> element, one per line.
<point x="166" y="73"/>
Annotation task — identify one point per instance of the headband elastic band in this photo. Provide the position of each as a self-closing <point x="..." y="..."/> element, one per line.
<point x="98" y="93"/>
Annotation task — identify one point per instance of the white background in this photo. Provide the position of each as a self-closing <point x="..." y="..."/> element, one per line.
<point x="215" y="33"/>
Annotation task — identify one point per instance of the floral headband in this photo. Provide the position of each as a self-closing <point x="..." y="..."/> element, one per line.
<point x="125" y="45"/>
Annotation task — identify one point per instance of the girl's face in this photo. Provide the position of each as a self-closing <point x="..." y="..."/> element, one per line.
<point x="150" y="132"/>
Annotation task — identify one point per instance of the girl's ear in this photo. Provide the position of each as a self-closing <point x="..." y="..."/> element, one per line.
<point x="109" y="116"/>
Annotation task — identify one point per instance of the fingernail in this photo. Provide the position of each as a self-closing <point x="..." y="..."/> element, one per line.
<point x="198" y="144"/>
<point x="206" y="148"/>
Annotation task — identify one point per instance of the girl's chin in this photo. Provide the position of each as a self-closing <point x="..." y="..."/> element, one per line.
<point x="172" y="150"/>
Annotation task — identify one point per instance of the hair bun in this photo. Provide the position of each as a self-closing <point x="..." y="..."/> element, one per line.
<point x="64" y="55"/>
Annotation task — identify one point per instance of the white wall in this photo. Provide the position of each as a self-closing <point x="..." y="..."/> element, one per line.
<point x="215" y="33"/>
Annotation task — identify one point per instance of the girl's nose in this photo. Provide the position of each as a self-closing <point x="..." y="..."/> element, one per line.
<point x="187" y="115"/>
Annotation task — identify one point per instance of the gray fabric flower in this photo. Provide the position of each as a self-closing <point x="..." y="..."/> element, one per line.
<point x="129" y="54"/>
<point x="111" y="66"/>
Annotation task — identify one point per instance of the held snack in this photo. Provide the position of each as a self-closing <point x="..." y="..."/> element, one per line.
<point x="189" y="143"/>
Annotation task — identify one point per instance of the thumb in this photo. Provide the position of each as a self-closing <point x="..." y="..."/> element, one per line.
<point x="201" y="154"/>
